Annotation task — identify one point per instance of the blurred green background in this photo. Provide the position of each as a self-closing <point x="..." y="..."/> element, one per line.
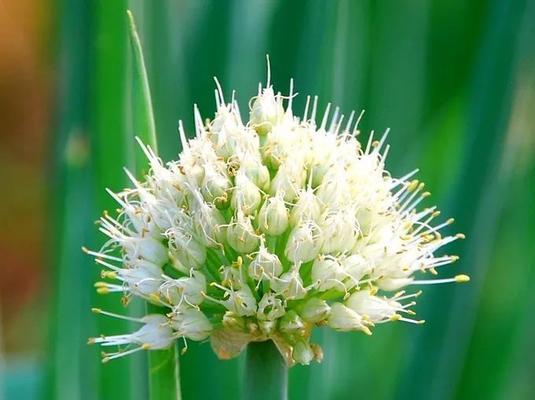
<point x="455" y="80"/>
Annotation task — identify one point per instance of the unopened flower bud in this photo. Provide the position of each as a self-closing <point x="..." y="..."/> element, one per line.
<point x="327" y="273"/>
<point x="288" y="179"/>
<point x="341" y="230"/>
<point x="185" y="251"/>
<point x="256" y="172"/>
<point x="304" y="242"/>
<point x="148" y="249"/>
<point x="303" y="353"/>
<point x="246" y="195"/>
<point x="391" y="284"/>
<point x="356" y="267"/>
<point x="308" y="207"/>
<point x="241" y="235"/>
<point x="226" y="130"/>
<point x="215" y="186"/>
<point x="209" y="223"/>
<point x="374" y="307"/>
<point x="291" y="323"/>
<point x="343" y="318"/>
<point x="315" y="310"/>
<point x="143" y="277"/>
<point x="265" y="265"/>
<point x="273" y="216"/>
<point x="266" y="111"/>
<point x="191" y="323"/>
<point x="289" y="284"/>
<point x="188" y="290"/>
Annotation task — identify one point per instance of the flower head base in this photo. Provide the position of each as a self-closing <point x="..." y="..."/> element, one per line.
<point x="267" y="229"/>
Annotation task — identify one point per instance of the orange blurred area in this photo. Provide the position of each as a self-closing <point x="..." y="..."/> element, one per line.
<point x="25" y="106"/>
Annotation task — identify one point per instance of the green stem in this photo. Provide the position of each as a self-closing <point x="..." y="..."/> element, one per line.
<point x="266" y="373"/>
<point x="164" y="370"/>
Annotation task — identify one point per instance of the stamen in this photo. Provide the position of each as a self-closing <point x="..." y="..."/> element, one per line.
<point x="457" y="279"/>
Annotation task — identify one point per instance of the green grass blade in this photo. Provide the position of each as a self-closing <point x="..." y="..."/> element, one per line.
<point x="440" y="348"/>
<point x="505" y="319"/>
<point x="69" y="375"/>
<point x="142" y="114"/>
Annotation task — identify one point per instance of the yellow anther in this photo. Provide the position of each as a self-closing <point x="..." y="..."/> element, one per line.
<point x="366" y="330"/>
<point x="103" y="290"/>
<point x="450" y="221"/>
<point x="412" y="185"/>
<point x="145" y="346"/>
<point x="85" y="249"/>
<point x="108" y="274"/>
<point x="395" y="317"/>
<point x="96" y="310"/>
<point x="462" y="278"/>
<point x="426" y="194"/>
<point x="460" y="236"/>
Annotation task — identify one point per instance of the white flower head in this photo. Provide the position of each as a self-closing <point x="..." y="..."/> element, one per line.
<point x="267" y="228"/>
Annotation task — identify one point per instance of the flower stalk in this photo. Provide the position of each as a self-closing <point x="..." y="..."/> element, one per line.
<point x="266" y="373"/>
<point x="164" y="370"/>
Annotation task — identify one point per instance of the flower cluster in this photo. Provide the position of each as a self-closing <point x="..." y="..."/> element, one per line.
<point x="266" y="229"/>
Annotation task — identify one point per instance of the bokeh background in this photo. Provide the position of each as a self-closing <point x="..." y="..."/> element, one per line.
<point x="454" y="80"/>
